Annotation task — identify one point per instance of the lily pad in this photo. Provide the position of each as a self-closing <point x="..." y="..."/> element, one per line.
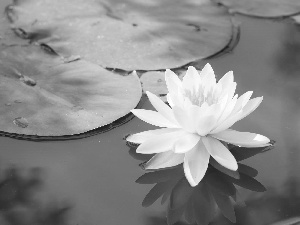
<point x="127" y="34"/>
<point x="154" y="81"/>
<point x="263" y="8"/>
<point x="7" y="36"/>
<point x="41" y="94"/>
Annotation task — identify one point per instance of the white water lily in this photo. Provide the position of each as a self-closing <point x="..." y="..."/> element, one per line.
<point x="199" y="117"/>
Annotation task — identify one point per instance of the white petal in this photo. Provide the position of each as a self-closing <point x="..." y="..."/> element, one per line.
<point x="227" y="83"/>
<point x="226" y="80"/>
<point x="205" y="124"/>
<point x="220" y="153"/>
<point x="153" y="118"/>
<point x="172" y="81"/>
<point x="145" y="135"/>
<point x="169" y="99"/>
<point x="242" y="101"/>
<point x="244" y="139"/>
<point x="234" y="117"/>
<point x="191" y="80"/>
<point x="195" y="164"/>
<point x="206" y="118"/>
<point x="186" y="142"/>
<point x="227" y="123"/>
<point x="161" y="107"/>
<point x="208" y="78"/>
<point x="160" y="143"/>
<point x="228" y="109"/>
<point x="163" y="160"/>
<point x="185" y="120"/>
<point x="230" y="90"/>
<point x="250" y="107"/>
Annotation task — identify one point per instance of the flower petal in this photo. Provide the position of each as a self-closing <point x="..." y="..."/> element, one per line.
<point x="250" y="107"/>
<point x="228" y="109"/>
<point x="226" y="123"/>
<point x="183" y="117"/>
<point x="195" y="164"/>
<point x="161" y="107"/>
<point x="172" y="81"/>
<point x="153" y="118"/>
<point x="242" y="101"/>
<point x="226" y="80"/>
<point x="208" y="78"/>
<point x="220" y="153"/>
<point x="205" y="124"/>
<point x="163" y="160"/>
<point x="186" y="142"/>
<point x="146" y="135"/>
<point x="160" y="143"/>
<point x="244" y="139"/>
<point x="191" y="80"/>
<point x="232" y="119"/>
<point x="206" y="118"/>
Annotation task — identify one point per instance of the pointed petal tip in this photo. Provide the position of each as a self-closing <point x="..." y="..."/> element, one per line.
<point x="129" y="138"/>
<point x="208" y="64"/>
<point x="150" y="94"/>
<point x="234" y="167"/>
<point x="208" y="67"/>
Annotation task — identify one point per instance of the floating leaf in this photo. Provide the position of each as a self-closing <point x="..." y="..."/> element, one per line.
<point x="7" y="36"/>
<point x="42" y="95"/>
<point x="154" y="82"/>
<point x="129" y="35"/>
<point x="263" y="8"/>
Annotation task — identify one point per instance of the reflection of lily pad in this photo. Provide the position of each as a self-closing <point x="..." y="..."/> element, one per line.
<point x="128" y="35"/>
<point x="263" y="8"/>
<point x="40" y="94"/>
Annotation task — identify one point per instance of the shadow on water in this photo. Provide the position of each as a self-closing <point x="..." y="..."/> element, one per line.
<point x="19" y="202"/>
<point x="217" y="193"/>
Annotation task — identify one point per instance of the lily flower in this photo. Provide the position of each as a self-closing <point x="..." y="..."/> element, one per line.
<point x="195" y="123"/>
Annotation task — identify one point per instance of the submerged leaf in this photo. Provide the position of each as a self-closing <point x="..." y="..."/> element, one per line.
<point x="263" y="8"/>
<point x="42" y="95"/>
<point x="125" y="34"/>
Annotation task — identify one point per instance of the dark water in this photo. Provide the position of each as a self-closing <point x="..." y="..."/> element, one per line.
<point x="92" y="181"/>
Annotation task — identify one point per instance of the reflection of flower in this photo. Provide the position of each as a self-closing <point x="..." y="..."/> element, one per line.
<point x="201" y="112"/>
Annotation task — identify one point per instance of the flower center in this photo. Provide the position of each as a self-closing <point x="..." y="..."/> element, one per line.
<point x="200" y="96"/>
